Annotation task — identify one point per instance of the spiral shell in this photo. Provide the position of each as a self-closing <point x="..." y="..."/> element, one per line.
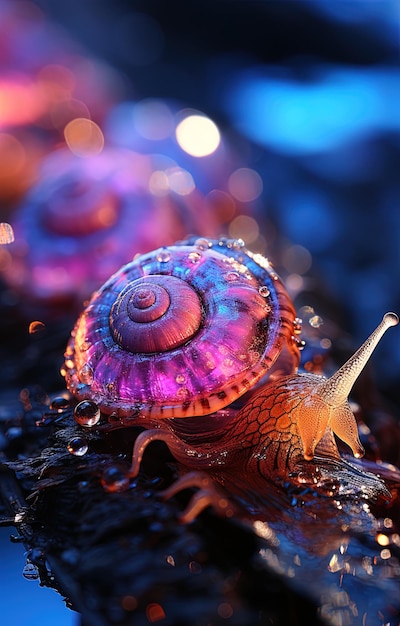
<point x="86" y="217"/>
<point x="181" y="331"/>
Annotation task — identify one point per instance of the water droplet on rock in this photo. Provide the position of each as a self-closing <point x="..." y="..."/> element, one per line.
<point x="60" y="403"/>
<point x="30" y="571"/>
<point x="114" y="480"/>
<point x="87" y="413"/>
<point x="77" y="446"/>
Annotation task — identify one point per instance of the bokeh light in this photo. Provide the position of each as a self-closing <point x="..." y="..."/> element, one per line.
<point x="245" y="184"/>
<point x="6" y="233"/>
<point x="198" y="135"/>
<point x="301" y="116"/>
<point x="84" y="137"/>
<point x="153" y="119"/>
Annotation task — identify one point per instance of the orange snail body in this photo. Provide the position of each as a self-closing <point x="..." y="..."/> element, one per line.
<point x="180" y="384"/>
<point x="288" y="421"/>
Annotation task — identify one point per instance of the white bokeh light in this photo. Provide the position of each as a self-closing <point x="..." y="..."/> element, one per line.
<point x="198" y="135"/>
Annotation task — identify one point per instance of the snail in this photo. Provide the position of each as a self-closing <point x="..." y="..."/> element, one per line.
<point x="174" y="339"/>
<point x="85" y="217"/>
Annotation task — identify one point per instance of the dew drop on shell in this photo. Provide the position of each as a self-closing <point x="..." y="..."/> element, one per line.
<point x="180" y="379"/>
<point x="183" y="393"/>
<point x="84" y="346"/>
<point x="194" y="257"/>
<point x="264" y="291"/>
<point x="78" y="446"/>
<point x="232" y="277"/>
<point x="297" y="325"/>
<point x="86" y="374"/>
<point x="203" y="243"/>
<point x="87" y="413"/>
<point x="163" y="256"/>
<point x="237" y="244"/>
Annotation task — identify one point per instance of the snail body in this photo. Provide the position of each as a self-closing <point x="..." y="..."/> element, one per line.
<point x="176" y="336"/>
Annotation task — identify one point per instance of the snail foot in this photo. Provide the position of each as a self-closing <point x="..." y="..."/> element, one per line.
<point x="143" y="440"/>
<point x="207" y="496"/>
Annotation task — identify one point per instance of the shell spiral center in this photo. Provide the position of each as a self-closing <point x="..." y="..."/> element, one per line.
<point x="155" y="313"/>
<point x="147" y="302"/>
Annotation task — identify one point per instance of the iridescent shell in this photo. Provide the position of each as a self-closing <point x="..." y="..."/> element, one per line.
<point x="88" y="216"/>
<point x="182" y="331"/>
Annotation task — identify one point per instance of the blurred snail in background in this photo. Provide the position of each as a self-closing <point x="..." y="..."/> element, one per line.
<point x="175" y="337"/>
<point x="87" y="216"/>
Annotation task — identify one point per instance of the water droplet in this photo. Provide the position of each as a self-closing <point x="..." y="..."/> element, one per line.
<point x="232" y="276"/>
<point x="69" y="364"/>
<point x="30" y="571"/>
<point x="315" y="321"/>
<point x="194" y="257"/>
<point x="237" y="244"/>
<point x="299" y="342"/>
<point x="114" y="480"/>
<point x="203" y="243"/>
<point x="183" y="393"/>
<point x="86" y="374"/>
<point x="253" y="356"/>
<point x="36" y="327"/>
<point x="297" y="325"/>
<point x="180" y="378"/>
<point x="87" y="413"/>
<point x="113" y="418"/>
<point x="264" y="291"/>
<point x="110" y="388"/>
<point x="36" y="556"/>
<point x="228" y="362"/>
<point x="163" y="256"/>
<point x="77" y="446"/>
<point x="60" y="403"/>
<point x="170" y="560"/>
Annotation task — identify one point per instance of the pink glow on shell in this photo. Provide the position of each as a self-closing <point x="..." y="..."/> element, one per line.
<point x="240" y="337"/>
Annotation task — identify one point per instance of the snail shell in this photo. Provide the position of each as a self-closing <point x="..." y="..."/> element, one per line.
<point x="182" y="331"/>
<point x="85" y="217"/>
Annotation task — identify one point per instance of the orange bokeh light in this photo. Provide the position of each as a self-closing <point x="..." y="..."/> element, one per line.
<point x="84" y="137"/>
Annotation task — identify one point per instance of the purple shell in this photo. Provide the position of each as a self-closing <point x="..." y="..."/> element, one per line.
<point x="88" y="216"/>
<point x="246" y="321"/>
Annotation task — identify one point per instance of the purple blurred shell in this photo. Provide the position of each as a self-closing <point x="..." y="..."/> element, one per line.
<point x="88" y="216"/>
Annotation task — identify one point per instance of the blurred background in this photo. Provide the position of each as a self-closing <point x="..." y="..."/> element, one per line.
<point x="281" y="120"/>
